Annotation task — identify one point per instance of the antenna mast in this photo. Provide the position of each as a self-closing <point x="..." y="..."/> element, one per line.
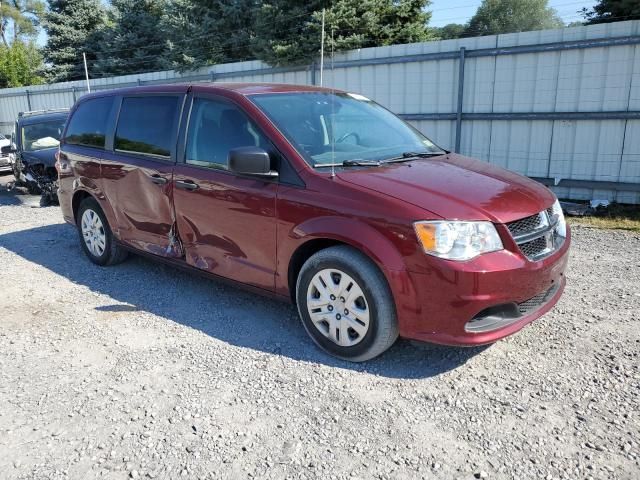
<point x="333" y="114"/>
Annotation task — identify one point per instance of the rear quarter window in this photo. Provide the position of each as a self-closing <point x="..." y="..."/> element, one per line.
<point x="147" y="125"/>
<point x="88" y="123"/>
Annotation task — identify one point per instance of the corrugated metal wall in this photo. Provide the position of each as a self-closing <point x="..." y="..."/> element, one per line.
<point x="420" y="81"/>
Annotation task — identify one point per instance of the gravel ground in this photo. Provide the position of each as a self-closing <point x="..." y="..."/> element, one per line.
<point x="141" y="371"/>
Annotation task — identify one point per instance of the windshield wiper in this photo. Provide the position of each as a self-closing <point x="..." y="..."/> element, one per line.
<point x="350" y="163"/>
<point x="361" y="163"/>
<point x="411" y="155"/>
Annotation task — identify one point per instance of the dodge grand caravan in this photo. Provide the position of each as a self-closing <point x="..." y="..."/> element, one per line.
<point x="320" y="197"/>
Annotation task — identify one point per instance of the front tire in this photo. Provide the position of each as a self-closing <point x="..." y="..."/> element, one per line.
<point x="346" y="305"/>
<point x="96" y="237"/>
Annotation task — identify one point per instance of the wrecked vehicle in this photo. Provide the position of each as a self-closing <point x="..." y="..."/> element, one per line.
<point x="5" y="158"/>
<point x="319" y="197"/>
<point x="36" y="140"/>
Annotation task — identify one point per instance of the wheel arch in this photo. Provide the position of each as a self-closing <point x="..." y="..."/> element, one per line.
<point x="326" y="232"/>
<point x="81" y="193"/>
<point x="78" y="197"/>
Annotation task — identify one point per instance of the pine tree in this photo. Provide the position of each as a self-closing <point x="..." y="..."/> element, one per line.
<point x="211" y="31"/>
<point x="606" y="11"/>
<point x="288" y="32"/>
<point x="71" y="27"/>
<point x="135" y="39"/>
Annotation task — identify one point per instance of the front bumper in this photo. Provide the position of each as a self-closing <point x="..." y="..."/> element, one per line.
<point x="453" y="294"/>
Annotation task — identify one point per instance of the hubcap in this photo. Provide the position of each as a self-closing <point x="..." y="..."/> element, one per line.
<point x="93" y="233"/>
<point x="337" y="307"/>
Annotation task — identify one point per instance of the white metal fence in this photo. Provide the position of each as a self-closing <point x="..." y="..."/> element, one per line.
<point x="561" y="106"/>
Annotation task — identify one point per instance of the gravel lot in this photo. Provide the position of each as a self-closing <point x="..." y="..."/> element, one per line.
<point x="141" y="371"/>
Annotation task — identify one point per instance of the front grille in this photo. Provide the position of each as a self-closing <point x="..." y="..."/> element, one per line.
<point x="526" y="225"/>
<point x="536" y="302"/>
<point x="534" y="248"/>
<point x="535" y="235"/>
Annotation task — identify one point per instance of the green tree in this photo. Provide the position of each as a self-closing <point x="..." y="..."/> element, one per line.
<point x="452" y="30"/>
<point x="20" y="65"/>
<point x="288" y="31"/>
<point x="606" y="11"/>
<point x="19" y="19"/>
<point x="134" y="40"/>
<point x="507" y="16"/>
<point x="210" y="31"/>
<point x="72" y="27"/>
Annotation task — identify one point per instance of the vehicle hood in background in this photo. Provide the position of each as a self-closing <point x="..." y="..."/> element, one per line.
<point x="456" y="188"/>
<point x="46" y="156"/>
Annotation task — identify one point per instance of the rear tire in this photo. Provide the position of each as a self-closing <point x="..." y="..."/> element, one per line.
<point x="346" y="305"/>
<point x="96" y="237"/>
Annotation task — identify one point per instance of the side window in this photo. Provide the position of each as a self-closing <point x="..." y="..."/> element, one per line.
<point x="215" y="127"/>
<point x="88" y="125"/>
<point x="147" y="125"/>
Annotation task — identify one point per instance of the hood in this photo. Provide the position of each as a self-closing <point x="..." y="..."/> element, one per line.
<point x="456" y="188"/>
<point x="46" y="156"/>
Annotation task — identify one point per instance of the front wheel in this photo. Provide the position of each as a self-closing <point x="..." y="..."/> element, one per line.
<point x="96" y="237"/>
<point x="346" y="305"/>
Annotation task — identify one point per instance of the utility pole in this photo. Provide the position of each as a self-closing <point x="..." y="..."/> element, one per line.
<point x="86" y="71"/>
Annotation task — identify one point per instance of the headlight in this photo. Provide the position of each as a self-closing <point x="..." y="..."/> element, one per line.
<point x="561" y="225"/>
<point x="457" y="240"/>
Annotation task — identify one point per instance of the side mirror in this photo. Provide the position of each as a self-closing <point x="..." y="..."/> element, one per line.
<point x="251" y="161"/>
<point x="8" y="149"/>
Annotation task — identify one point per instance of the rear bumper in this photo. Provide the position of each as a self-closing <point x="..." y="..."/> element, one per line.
<point x="494" y="289"/>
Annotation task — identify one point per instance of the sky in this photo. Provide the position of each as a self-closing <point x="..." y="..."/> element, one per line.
<point x="460" y="11"/>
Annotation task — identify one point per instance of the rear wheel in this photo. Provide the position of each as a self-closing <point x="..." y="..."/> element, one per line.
<point x="96" y="237"/>
<point x="346" y="305"/>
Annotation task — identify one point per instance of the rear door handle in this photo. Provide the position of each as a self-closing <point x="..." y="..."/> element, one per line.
<point x="158" y="180"/>
<point x="187" y="185"/>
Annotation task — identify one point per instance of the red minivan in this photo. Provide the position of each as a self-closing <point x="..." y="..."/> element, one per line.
<point x="320" y="197"/>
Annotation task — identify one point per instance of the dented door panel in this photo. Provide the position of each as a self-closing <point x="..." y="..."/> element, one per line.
<point x="227" y="224"/>
<point x="142" y="190"/>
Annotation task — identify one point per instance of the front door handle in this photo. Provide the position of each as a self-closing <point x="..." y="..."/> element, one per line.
<point x="187" y="185"/>
<point x="158" y="180"/>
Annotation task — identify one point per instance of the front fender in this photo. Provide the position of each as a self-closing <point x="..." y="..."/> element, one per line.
<point x="361" y="236"/>
<point x="353" y="232"/>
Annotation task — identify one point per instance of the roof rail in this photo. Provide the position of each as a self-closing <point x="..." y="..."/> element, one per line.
<point x="36" y="112"/>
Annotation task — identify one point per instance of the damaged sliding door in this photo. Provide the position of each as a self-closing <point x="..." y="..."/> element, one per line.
<point x="138" y="173"/>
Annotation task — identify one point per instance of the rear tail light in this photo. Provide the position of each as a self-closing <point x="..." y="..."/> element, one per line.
<point x="61" y="162"/>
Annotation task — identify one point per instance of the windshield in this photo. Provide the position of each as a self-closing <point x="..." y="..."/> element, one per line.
<point x="38" y="136"/>
<point x="330" y="128"/>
